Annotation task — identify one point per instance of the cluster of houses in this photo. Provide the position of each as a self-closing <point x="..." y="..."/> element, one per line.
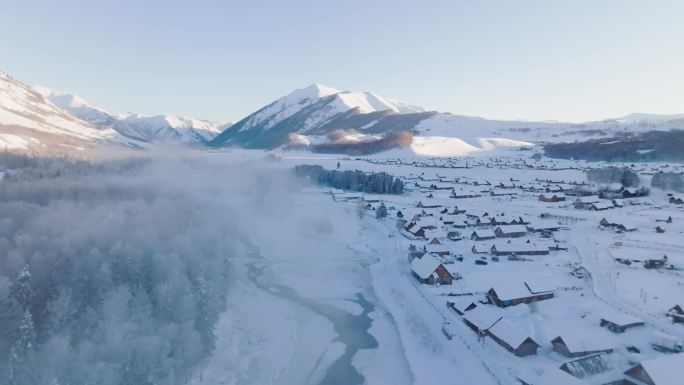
<point x="586" y="355"/>
<point x="434" y="223"/>
<point x="431" y="262"/>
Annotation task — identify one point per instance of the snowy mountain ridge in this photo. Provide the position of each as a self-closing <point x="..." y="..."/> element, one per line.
<point x="140" y="127"/>
<point x="310" y="117"/>
<point x="28" y="120"/>
<point x="316" y="110"/>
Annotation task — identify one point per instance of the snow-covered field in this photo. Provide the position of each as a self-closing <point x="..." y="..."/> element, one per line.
<point x="343" y="307"/>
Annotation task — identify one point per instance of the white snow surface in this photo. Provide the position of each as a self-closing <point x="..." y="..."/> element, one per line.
<point x="9" y="141"/>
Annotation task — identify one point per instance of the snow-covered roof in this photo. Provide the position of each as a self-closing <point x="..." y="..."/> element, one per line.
<point x="425" y="266"/>
<point x="427" y="222"/>
<point x="512" y="229"/>
<point x="484" y="233"/>
<point x="482" y="247"/>
<point x="519" y="247"/>
<point x="509" y="290"/>
<point x="554" y="376"/>
<point x="538" y="286"/>
<point x="454" y="218"/>
<point x="483" y="317"/>
<point x="505" y="219"/>
<point x="461" y="303"/>
<point x="509" y="332"/>
<point x="667" y="370"/>
<point x="538" y="227"/>
<point x="589" y="199"/>
<point x="434" y="233"/>
<point x="436" y="248"/>
<point x="583" y="342"/>
<point x="620" y="318"/>
<point x="603" y="205"/>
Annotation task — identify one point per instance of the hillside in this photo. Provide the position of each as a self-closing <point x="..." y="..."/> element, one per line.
<point x="31" y="123"/>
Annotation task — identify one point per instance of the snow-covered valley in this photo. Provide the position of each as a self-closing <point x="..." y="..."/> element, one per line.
<point x="309" y="284"/>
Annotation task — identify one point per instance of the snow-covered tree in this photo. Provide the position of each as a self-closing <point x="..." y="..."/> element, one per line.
<point x="381" y="212"/>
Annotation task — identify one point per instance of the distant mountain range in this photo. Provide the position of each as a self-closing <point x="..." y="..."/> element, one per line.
<point x="316" y="117"/>
<point x="134" y="126"/>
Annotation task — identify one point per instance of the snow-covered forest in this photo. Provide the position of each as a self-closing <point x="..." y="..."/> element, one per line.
<point x="116" y="278"/>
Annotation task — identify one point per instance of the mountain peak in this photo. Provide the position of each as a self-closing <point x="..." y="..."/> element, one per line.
<point x="314" y="91"/>
<point x="62" y="99"/>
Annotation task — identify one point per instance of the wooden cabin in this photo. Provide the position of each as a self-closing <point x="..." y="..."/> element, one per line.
<point x="677" y="314"/>
<point x="482" y="235"/>
<point x="513" y="338"/>
<point x="436" y="249"/>
<point x="514" y="231"/>
<point x="430" y="271"/>
<point x="664" y="370"/>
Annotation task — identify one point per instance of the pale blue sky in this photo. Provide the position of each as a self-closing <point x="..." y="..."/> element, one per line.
<point x="568" y="60"/>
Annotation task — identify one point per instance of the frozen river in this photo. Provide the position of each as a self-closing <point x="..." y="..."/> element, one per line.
<point x="302" y="308"/>
<point x="351" y="329"/>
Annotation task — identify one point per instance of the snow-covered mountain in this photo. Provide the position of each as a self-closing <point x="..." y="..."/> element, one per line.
<point x="29" y="121"/>
<point x="144" y="128"/>
<point x="318" y="110"/>
<point x="649" y="118"/>
<point x="40" y="118"/>
<point x="307" y="116"/>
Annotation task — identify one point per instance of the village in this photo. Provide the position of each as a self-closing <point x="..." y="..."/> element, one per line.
<point x="563" y="280"/>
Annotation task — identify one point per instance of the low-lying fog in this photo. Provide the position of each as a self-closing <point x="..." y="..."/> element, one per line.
<point x="116" y="273"/>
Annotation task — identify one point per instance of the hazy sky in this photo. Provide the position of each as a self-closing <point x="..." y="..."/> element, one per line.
<point x="565" y="60"/>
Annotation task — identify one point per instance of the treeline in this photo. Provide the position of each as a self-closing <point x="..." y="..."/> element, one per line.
<point x="622" y="175"/>
<point x="112" y="279"/>
<point x="395" y="140"/>
<point x="376" y="183"/>
<point x="20" y="167"/>
<point x="643" y="147"/>
<point x="668" y="181"/>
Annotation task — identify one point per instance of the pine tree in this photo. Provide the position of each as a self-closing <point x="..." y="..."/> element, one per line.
<point x="21" y="291"/>
<point x="21" y="294"/>
<point x="381" y="212"/>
